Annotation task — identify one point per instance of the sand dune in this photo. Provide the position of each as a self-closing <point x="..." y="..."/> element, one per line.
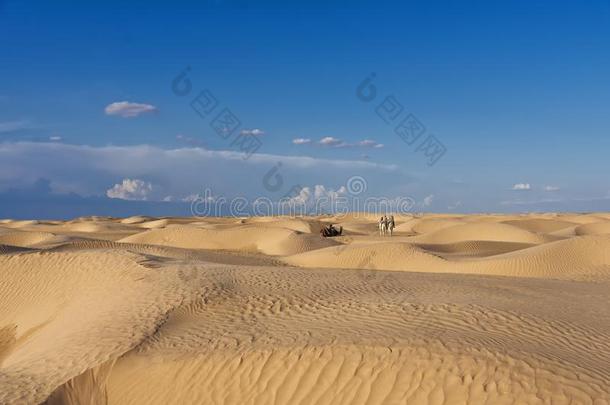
<point x="28" y="239"/>
<point x="95" y="227"/>
<point x="575" y="259"/>
<point x="18" y="224"/>
<point x="540" y="225"/>
<point x="270" y="240"/>
<point x="138" y="219"/>
<point x="61" y="303"/>
<point x="383" y="256"/>
<point x="482" y="231"/>
<point x="303" y="226"/>
<point x="594" y="228"/>
<point x="474" y="248"/>
<point x="154" y="224"/>
<point x="264" y="311"/>
<point x="433" y="225"/>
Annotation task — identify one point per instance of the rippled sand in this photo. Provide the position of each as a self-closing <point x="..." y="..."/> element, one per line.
<point x="450" y="310"/>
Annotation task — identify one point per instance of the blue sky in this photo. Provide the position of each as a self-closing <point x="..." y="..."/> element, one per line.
<point x="517" y="93"/>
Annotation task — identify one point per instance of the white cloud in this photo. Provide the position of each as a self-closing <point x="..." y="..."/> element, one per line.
<point x="198" y="197"/>
<point x="318" y="196"/>
<point x="55" y="138"/>
<point x="322" y="199"/>
<point x="551" y="188"/>
<point x="89" y="170"/>
<point x="427" y="201"/>
<point x="330" y="141"/>
<point x="303" y="197"/>
<point x="129" y="189"/>
<point x="369" y="143"/>
<point x="522" y="186"/>
<point x="322" y="192"/>
<point x="255" y="132"/>
<point x="127" y="109"/>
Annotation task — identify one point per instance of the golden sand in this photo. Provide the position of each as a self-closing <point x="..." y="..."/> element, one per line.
<point x="494" y="309"/>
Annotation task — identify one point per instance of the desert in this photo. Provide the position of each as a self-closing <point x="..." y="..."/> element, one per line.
<point x="451" y="309"/>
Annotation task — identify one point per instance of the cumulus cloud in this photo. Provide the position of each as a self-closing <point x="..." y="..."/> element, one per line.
<point x="318" y="199"/>
<point x="300" y="197"/>
<point x="130" y="189"/>
<point x="330" y="141"/>
<point x="321" y="199"/>
<point x="301" y="141"/>
<point x="321" y="191"/>
<point x="128" y="109"/>
<point x="522" y="186"/>
<point x="254" y="131"/>
<point x="309" y="195"/>
<point x="551" y="188"/>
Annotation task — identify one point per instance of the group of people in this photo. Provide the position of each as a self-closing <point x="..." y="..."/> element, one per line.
<point x="386" y="226"/>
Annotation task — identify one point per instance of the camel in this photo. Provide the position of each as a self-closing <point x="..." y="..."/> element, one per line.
<point x="383" y="226"/>
<point x="391" y="225"/>
<point x="386" y="226"/>
<point x="330" y="231"/>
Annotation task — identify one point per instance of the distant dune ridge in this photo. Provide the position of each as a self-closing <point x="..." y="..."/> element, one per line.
<point x="453" y="309"/>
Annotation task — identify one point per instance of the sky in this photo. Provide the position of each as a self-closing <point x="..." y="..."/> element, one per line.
<point x="458" y="106"/>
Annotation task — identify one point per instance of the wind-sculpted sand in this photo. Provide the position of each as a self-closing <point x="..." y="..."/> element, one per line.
<point x="489" y="309"/>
